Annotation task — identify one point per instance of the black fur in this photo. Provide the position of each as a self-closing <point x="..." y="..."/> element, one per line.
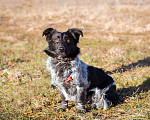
<point x="70" y="48"/>
<point x="98" y="78"/>
<point x="63" y="51"/>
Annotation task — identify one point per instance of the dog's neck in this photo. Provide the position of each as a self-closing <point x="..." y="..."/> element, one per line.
<point x="64" y="59"/>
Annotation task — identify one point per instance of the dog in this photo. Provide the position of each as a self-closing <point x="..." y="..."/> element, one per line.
<point x="75" y="80"/>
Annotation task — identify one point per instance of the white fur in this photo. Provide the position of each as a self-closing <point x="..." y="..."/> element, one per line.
<point x="79" y="76"/>
<point x="99" y="97"/>
<point x="80" y="79"/>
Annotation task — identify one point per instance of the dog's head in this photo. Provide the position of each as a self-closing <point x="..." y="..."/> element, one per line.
<point x="62" y="44"/>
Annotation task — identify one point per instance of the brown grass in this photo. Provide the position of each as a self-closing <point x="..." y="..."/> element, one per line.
<point x="116" y="38"/>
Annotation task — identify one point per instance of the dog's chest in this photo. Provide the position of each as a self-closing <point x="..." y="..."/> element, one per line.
<point x="69" y="90"/>
<point x="60" y="72"/>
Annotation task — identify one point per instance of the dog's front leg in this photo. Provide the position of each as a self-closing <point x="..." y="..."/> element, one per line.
<point x="64" y="103"/>
<point x="80" y="99"/>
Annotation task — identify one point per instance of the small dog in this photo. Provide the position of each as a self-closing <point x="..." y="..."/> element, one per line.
<point x="75" y="80"/>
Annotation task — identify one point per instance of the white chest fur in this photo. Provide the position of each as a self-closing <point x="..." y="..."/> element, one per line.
<point x="79" y="76"/>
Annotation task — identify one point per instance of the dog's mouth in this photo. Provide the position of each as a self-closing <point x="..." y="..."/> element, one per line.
<point x="62" y="54"/>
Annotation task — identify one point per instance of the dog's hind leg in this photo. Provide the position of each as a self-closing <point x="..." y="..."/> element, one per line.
<point x="112" y="95"/>
<point x="64" y="103"/>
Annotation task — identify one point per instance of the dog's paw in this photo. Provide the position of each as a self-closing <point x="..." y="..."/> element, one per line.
<point x="52" y="86"/>
<point x="61" y="108"/>
<point x="81" y="111"/>
<point x="81" y="108"/>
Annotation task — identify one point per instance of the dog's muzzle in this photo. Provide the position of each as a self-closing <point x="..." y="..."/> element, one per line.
<point x="62" y="49"/>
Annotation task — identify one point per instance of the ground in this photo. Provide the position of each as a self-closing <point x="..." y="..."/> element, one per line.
<point x="116" y="38"/>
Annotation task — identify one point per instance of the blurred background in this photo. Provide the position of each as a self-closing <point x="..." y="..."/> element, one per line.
<point x="116" y="38"/>
<point x="94" y="16"/>
<point x="78" y="2"/>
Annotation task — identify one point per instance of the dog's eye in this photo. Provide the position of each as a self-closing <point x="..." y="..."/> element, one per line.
<point x="68" y="41"/>
<point x="57" y="40"/>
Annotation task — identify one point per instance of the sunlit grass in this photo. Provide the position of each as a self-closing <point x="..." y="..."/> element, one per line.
<point x="118" y="43"/>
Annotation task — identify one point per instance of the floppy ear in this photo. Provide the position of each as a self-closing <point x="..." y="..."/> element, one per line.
<point x="48" y="31"/>
<point x="49" y="53"/>
<point x="76" y="33"/>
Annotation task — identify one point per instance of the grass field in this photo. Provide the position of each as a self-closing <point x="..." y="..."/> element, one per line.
<point x="116" y="38"/>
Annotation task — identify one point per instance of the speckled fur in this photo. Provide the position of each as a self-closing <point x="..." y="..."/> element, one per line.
<point x="80" y="79"/>
<point x="88" y="85"/>
<point x="79" y="76"/>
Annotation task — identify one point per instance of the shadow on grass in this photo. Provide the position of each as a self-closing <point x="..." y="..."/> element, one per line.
<point x="125" y="93"/>
<point x="140" y="63"/>
<point x="131" y="91"/>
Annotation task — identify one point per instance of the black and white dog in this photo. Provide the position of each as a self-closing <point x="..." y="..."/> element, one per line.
<point x="75" y="80"/>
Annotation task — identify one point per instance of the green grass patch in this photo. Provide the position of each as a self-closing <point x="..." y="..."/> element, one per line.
<point x="121" y="50"/>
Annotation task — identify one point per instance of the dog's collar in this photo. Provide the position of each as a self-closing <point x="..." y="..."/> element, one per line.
<point x="64" y="59"/>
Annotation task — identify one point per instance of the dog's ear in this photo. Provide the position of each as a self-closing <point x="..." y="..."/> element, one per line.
<point x="76" y="33"/>
<point x="49" y="53"/>
<point x="48" y="31"/>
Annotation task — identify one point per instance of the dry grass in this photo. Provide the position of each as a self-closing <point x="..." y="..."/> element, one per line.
<point x="116" y="38"/>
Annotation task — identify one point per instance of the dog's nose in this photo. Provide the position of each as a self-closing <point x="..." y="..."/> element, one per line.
<point x="62" y="49"/>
